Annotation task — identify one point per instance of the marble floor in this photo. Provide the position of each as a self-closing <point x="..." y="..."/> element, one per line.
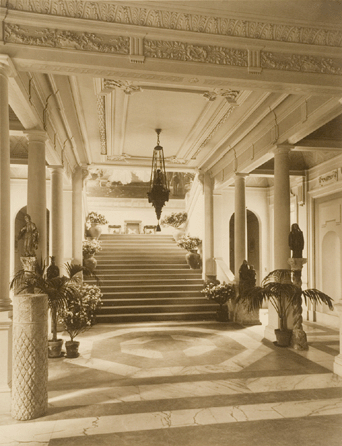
<point x="187" y="384"/>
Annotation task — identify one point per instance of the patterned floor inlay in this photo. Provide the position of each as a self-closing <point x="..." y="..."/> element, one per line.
<point x="178" y="384"/>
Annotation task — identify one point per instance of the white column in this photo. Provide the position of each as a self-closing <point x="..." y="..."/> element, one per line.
<point x="240" y="222"/>
<point x="77" y="215"/>
<point x="282" y="223"/>
<point x="338" y="358"/>
<point x="5" y="224"/>
<point x="209" y="266"/>
<point x="36" y="188"/>
<point x="57" y="215"/>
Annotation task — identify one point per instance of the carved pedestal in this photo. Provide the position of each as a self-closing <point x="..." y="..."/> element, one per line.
<point x="298" y="339"/>
<point x="30" y="356"/>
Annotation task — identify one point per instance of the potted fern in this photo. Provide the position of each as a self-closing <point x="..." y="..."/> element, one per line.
<point x="278" y="289"/>
<point x="221" y="293"/>
<point x="79" y="314"/>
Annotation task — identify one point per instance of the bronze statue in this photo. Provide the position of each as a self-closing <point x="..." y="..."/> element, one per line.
<point x="296" y="241"/>
<point x="247" y="277"/>
<point x="31" y="237"/>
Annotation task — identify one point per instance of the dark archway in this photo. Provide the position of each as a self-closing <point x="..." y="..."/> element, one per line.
<point x="253" y="242"/>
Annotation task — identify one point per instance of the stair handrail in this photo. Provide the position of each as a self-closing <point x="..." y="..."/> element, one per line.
<point x="224" y="273"/>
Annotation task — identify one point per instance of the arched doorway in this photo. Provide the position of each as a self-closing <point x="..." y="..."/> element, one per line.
<point x="253" y="242"/>
<point x="19" y="244"/>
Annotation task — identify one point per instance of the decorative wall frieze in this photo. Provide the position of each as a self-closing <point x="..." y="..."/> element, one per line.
<point x="300" y="62"/>
<point x="328" y="178"/>
<point x="116" y="12"/>
<point x="126" y="86"/>
<point x="228" y="94"/>
<point x="122" y="157"/>
<point x="162" y="49"/>
<point x="175" y="160"/>
<point x="54" y="38"/>
<point x="101" y="113"/>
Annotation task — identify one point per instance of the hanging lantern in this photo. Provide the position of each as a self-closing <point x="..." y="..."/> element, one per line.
<point x="159" y="188"/>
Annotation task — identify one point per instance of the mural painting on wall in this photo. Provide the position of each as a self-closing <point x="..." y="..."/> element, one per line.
<point x="119" y="183"/>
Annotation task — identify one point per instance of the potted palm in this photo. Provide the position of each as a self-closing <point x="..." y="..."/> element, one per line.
<point x="278" y="289"/>
<point x="96" y="220"/>
<point x="58" y="291"/>
<point x="221" y="293"/>
<point x="191" y="244"/>
<point x="79" y="314"/>
<point x="176" y="220"/>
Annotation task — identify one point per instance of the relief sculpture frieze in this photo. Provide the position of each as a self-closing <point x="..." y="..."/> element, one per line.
<point x="55" y="38"/>
<point x="116" y="12"/>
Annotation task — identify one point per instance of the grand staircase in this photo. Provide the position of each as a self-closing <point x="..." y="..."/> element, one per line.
<point x="146" y="278"/>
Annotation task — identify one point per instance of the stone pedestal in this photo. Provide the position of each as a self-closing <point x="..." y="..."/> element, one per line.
<point x="30" y="356"/>
<point x="298" y="339"/>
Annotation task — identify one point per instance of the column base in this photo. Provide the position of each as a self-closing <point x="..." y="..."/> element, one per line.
<point x="299" y="340"/>
<point x="338" y="365"/>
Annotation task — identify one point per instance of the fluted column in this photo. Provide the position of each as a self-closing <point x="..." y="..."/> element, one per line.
<point x="5" y="224"/>
<point x="36" y="187"/>
<point x="240" y="222"/>
<point x="282" y="224"/>
<point x="77" y="215"/>
<point x="57" y="215"/>
<point x="209" y="266"/>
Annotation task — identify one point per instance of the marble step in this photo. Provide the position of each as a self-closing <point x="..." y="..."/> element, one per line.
<point x="167" y="308"/>
<point x="147" y="317"/>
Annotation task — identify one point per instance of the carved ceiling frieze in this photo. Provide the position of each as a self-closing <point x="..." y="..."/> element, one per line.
<point x="187" y="52"/>
<point x="116" y="12"/>
<point x="55" y="38"/>
<point x="126" y="86"/>
<point x="228" y="94"/>
<point x="168" y="50"/>
<point x="300" y="62"/>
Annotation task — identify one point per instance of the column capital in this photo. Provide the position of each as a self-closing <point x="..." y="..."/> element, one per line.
<point x="241" y="175"/>
<point x="6" y="66"/>
<point x="35" y="135"/>
<point x="282" y="149"/>
<point x="56" y="168"/>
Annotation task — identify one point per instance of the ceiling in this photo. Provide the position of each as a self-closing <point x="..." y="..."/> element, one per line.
<point x="111" y="121"/>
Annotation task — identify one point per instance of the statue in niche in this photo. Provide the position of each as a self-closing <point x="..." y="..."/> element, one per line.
<point x="296" y="241"/>
<point x="247" y="277"/>
<point x="31" y="236"/>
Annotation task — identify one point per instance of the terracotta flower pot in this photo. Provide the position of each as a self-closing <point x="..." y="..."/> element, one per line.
<point x="193" y="259"/>
<point x="95" y="230"/>
<point x="90" y="262"/>
<point x="71" y="348"/>
<point x="55" y="348"/>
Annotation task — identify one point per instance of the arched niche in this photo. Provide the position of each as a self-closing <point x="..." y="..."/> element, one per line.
<point x="253" y="242"/>
<point x="19" y="244"/>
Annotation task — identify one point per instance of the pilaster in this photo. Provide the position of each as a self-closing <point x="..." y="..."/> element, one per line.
<point x="209" y="265"/>
<point x="77" y="215"/>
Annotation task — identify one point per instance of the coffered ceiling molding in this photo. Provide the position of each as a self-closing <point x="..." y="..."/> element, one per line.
<point x="166" y="18"/>
<point x="126" y="86"/>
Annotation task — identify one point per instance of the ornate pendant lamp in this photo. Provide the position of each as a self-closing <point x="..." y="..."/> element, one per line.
<point x="159" y="188"/>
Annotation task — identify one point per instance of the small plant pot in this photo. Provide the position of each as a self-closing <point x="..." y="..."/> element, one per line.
<point x="55" y="348"/>
<point x="71" y="348"/>
<point x="193" y="259"/>
<point x="283" y="337"/>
